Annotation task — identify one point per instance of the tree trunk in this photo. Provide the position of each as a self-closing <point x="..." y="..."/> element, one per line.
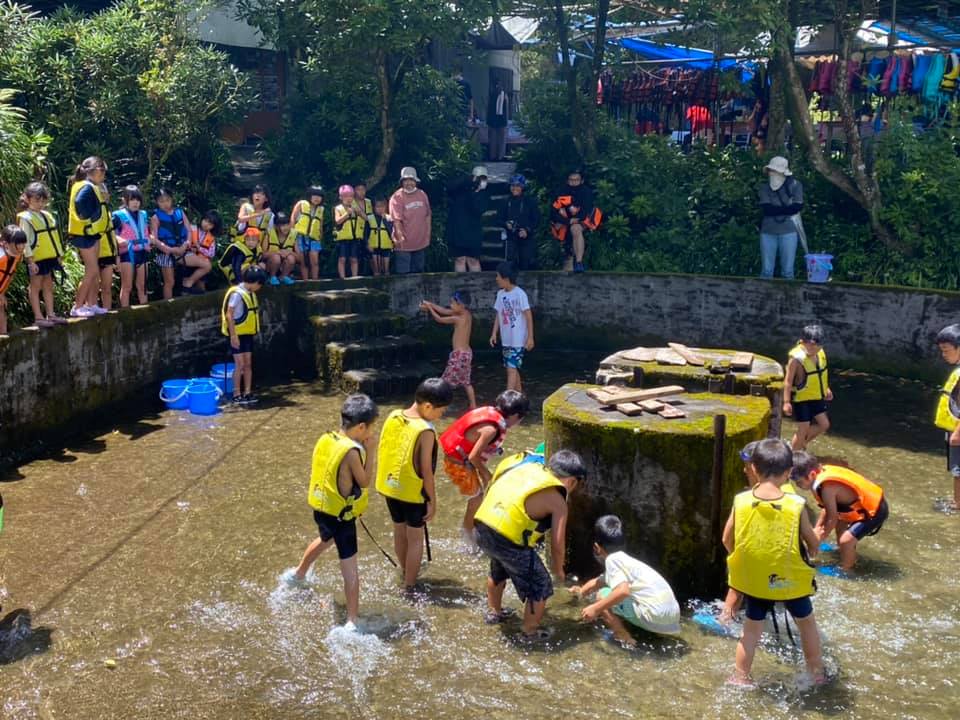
<point x="568" y="73"/>
<point x="777" y="112"/>
<point x="599" y="43"/>
<point x="388" y="133"/>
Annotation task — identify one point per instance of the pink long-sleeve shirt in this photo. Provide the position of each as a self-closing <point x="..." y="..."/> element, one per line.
<point x="411" y="217"/>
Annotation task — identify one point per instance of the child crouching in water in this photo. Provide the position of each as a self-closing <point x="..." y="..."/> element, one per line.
<point x="628" y="589"/>
<point x="343" y="463"/>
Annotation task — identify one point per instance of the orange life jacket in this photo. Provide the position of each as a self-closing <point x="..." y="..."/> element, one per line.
<point x="454" y="440"/>
<point x="590" y="222"/>
<point x="203" y="242"/>
<point x="8" y="266"/>
<point x="869" y="495"/>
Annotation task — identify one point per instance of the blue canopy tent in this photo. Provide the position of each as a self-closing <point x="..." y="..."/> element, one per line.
<point x="690" y="57"/>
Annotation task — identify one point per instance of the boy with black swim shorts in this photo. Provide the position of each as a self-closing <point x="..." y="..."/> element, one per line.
<point x="339" y="477"/>
<point x="948" y="407"/>
<point x="806" y="388"/>
<point x="405" y="475"/>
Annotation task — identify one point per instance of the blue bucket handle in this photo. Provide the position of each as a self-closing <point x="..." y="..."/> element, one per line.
<point x="178" y="397"/>
<point x="209" y="383"/>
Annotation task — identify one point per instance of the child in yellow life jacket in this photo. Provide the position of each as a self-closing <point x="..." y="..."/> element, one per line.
<point x="257" y="213"/>
<point x="307" y="220"/>
<point x="948" y="406"/>
<point x="349" y="229"/>
<point x="283" y="252"/>
<point x="242" y="253"/>
<point x="343" y="464"/>
<point x="240" y="322"/>
<point x="43" y="251"/>
<point x="769" y="538"/>
<point x="12" y="242"/>
<point x="405" y="475"/>
<point x="379" y="238"/>
<point x="806" y="388"/>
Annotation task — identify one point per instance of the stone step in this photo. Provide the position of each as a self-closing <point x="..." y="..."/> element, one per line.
<point x="351" y="327"/>
<point x="348" y="300"/>
<point x="392" y="351"/>
<point x="385" y="383"/>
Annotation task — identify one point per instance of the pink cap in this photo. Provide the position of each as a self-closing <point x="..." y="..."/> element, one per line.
<point x="345" y="189"/>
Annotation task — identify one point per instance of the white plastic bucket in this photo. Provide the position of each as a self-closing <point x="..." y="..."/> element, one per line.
<point x="819" y="266"/>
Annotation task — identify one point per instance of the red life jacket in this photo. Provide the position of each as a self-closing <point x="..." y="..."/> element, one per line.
<point x="8" y="266"/>
<point x="454" y="440"/>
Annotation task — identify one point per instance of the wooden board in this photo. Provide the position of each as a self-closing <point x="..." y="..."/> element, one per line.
<point x="630" y="409"/>
<point x="666" y="356"/>
<point x="640" y="354"/>
<point x="652" y="406"/>
<point x="742" y="361"/>
<point x="617" y="396"/>
<point x="670" y="412"/>
<point x="687" y="354"/>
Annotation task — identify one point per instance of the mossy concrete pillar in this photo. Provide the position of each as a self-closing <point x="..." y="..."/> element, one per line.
<point x="657" y="475"/>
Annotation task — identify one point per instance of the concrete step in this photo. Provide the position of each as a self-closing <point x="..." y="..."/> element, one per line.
<point x="353" y="327"/>
<point x="384" y="383"/>
<point x="392" y="351"/>
<point x="338" y="302"/>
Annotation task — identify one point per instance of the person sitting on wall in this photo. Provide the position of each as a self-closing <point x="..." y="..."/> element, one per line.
<point x="572" y="213"/>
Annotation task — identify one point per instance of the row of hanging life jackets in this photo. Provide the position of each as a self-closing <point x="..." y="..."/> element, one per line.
<point x="933" y="77"/>
<point x="665" y="85"/>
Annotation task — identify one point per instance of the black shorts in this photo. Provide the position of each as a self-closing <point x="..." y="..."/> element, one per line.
<point x="82" y="242"/>
<point x="522" y="565"/>
<point x="381" y="253"/>
<point x="246" y="345"/>
<point x="757" y="609"/>
<point x="349" y="249"/>
<point x="45" y="267"/>
<point x="807" y="410"/>
<point x="405" y="513"/>
<point x="870" y="526"/>
<point x="140" y="257"/>
<point x="343" y="532"/>
<point x="106" y="262"/>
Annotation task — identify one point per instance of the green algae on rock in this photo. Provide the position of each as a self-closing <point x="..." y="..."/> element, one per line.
<point x="656" y="474"/>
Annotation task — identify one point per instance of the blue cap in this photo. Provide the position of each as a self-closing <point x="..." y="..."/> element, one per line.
<point x="518" y="180"/>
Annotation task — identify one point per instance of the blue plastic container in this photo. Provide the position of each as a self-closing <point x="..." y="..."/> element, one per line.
<point x="818" y="267"/>
<point x="203" y="397"/>
<point x="174" y="394"/>
<point x="222" y="375"/>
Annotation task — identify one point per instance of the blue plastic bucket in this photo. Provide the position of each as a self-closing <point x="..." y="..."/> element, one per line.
<point x="174" y="394"/>
<point x="203" y="396"/>
<point x="819" y="267"/>
<point x="222" y="375"/>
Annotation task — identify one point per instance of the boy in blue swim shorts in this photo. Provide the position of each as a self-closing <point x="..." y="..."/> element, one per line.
<point x="514" y="323"/>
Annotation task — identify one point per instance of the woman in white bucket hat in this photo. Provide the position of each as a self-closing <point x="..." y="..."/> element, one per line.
<point x="781" y="200"/>
<point x="411" y="215"/>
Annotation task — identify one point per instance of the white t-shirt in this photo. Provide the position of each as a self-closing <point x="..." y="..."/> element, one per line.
<point x="653" y="600"/>
<point x="510" y="306"/>
<point x="235" y="303"/>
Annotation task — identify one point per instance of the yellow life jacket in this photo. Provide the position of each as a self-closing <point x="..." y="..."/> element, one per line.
<point x="788" y="487"/>
<point x="309" y="221"/>
<point x="88" y="228"/>
<point x="514" y="461"/>
<point x="250" y="257"/>
<point x="504" y="505"/>
<point x="379" y="238"/>
<point x="324" y="493"/>
<point x="767" y="562"/>
<point x="948" y="407"/>
<point x="270" y="240"/>
<point x="249" y="322"/>
<point x="352" y="228"/>
<point x="108" y="245"/>
<point x="397" y="476"/>
<point x="816" y="384"/>
<point x="948" y="84"/>
<point x="46" y="243"/>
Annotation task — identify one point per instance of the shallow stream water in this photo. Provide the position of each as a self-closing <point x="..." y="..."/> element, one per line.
<point x="156" y="546"/>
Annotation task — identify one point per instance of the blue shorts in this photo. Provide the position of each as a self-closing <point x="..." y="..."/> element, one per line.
<point x="82" y="242"/>
<point x="140" y="257"/>
<point x="807" y="410"/>
<point x="305" y="243"/>
<point x="45" y="267"/>
<point x="870" y="526"/>
<point x="513" y="357"/>
<point x="352" y="249"/>
<point x="758" y="609"/>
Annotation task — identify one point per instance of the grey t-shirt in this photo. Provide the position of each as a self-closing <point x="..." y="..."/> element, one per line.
<point x="790" y="195"/>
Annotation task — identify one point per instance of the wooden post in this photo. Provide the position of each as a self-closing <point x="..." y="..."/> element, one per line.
<point x="716" y="489"/>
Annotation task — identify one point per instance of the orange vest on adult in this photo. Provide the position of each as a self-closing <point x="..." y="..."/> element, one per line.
<point x="8" y="266"/>
<point x="869" y="494"/>
<point x="590" y="222"/>
<point x="454" y="440"/>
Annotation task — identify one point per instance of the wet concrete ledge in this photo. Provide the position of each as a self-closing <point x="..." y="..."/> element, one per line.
<point x="55" y="381"/>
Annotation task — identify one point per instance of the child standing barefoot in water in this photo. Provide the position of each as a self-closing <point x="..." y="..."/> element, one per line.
<point x="628" y="589"/>
<point x="765" y="536"/>
<point x="514" y="323"/>
<point x="343" y="463"/>
<point x="43" y="251"/>
<point x="457" y="372"/>
<point x="948" y="407"/>
<point x="808" y="382"/>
